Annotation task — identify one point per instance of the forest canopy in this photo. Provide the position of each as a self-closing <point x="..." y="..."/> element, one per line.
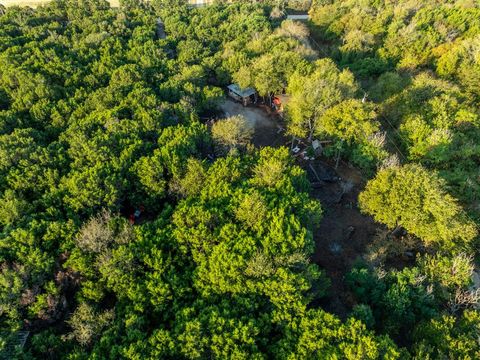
<point x="132" y="226"/>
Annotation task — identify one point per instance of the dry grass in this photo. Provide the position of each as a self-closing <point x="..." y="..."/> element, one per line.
<point x="35" y="3"/>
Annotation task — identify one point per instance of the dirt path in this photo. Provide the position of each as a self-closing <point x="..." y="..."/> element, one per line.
<point x="343" y="235"/>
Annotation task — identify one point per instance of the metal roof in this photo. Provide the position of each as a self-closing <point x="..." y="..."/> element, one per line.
<point x="298" y="17"/>
<point x="241" y="92"/>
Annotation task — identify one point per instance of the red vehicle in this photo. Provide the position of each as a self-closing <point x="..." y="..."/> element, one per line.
<point x="135" y="215"/>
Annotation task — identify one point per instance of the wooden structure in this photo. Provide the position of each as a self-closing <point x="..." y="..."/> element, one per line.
<point x="245" y="96"/>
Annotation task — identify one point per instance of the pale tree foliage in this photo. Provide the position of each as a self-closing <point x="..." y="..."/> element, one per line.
<point x="295" y="29"/>
<point x="298" y="31"/>
<point x="315" y="93"/>
<point x="233" y="132"/>
<point x="98" y="233"/>
<point x="391" y="161"/>
<point x="87" y="324"/>
<point x="252" y="210"/>
<point x="463" y="299"/>
<point x="358" y="41"/>
<point x="276" y="13"/>
<point x="449" y="271"/>
<point x="260" y="265"/>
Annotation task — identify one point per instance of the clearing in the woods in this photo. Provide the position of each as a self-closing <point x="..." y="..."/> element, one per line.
<point x="344" y="233"/>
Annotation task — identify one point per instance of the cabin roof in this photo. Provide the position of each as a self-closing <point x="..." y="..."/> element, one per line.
<point x="241" y="92"/>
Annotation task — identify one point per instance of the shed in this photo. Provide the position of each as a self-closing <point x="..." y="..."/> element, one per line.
<point x="246" y="96"/>
<point x="298" y="17"/>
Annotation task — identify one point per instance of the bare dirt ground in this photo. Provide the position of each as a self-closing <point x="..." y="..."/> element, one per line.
<point x="343" y="235"/>
<point x="344" y="232"/>
<point x="267" y="125"/>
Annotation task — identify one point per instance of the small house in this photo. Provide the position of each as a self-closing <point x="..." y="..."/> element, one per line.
<point x="245" y="96"/>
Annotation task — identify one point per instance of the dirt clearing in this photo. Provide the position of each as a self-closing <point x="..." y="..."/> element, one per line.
<point x="343" y="235"/>
<point x="344" y="232"/>
<point x="268" y="127"/>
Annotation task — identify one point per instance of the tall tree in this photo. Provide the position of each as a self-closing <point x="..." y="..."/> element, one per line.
<point x="314" y="93"/>
<point x="416" y="199"/>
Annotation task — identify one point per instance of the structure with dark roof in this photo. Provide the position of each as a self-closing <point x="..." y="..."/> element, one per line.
<point x="245" y="96"/>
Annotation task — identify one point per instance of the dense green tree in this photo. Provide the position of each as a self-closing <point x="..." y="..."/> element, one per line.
<point x="398" y="299"/>
<point x="348" y="341"/>
<point x="449" y="337"/>
<point x="125" y="235"/>
<point x="314" y="93"/>
<point x="413" y="198"/>
<point x="350" y="120"/>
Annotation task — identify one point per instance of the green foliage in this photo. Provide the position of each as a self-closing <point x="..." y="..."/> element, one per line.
<point x="449" y="337"/>
<point x="411" y="197"/>
<point x="319" y="335"/>
<point x="232" y="133"/>
<point x="101" y="121"/>
<point x="314" y="93"/>
<point x="276" y="57"/>
<point x="252" y="211"/>
<point x="387" y="85"/>
<point x="398" y="299"/>
<point x="218" y="332"/>
<point x="401" y="33"/>
<point x="350" y="120"/>
<point x="191" y="182"/>
<point x="447" y="273"/>
<point x="223" y="249"/>
<point x="354" y="129"/>
<point x="364" y="313"/>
